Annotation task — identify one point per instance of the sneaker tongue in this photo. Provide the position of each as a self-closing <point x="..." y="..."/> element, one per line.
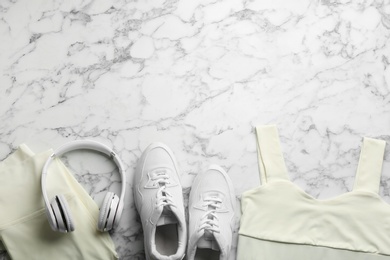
<point x="167" y="217"/>
<point x="207" y="240"/>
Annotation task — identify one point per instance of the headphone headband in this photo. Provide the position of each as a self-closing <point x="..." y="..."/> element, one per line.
<point x="78" y="145"/>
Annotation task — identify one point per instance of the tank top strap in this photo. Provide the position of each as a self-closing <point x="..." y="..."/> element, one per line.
<point x="270" y="156"/>
<point x="370" y="165"/>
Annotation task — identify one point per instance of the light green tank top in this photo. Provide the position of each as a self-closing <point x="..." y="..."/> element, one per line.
<point x="281" y="222"/>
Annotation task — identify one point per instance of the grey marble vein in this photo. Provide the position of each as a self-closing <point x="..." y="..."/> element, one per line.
<point x="197" y="75"/>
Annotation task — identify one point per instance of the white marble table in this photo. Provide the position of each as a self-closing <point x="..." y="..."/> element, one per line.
<point x="197" y="75"/>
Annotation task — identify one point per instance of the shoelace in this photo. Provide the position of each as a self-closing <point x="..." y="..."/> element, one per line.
<point x="163" y="196"/>
<point x="210" y="221"/>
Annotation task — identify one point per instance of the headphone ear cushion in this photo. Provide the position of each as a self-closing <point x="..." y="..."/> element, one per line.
<point x="61" y="213"/>
<point x="108" y="212"/>
<point x="67" y="214"/>
<point x="59" y="220"/>
<point x="113" y="212"/>
<point x="51" y="217"/>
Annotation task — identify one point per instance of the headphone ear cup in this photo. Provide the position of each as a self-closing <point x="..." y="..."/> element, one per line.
<point x="104" y="210"/>
<point x="67" y="214"/>
<point x="61" y="213"/>
<point x="113" y="212"/>
<point x="108" y="212"/>
<point x="51" y="217"/>
<point x="59" y="221"/>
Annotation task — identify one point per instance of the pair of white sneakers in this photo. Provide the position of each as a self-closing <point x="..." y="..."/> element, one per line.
<point x="159" y="201"/>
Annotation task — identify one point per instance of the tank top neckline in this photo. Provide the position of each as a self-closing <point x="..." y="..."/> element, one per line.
<point x="272" y="167"/>
<point x="326" y="200"/>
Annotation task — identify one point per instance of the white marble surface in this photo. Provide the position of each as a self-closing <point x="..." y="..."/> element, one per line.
<point x="197" y="75"/>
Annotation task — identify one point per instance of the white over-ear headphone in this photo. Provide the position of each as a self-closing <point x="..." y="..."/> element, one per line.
<point x="58" y="212"/>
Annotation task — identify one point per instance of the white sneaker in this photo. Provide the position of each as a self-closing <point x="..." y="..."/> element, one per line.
<point x="211" y="215"/>
<point x="159" y="200"/>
